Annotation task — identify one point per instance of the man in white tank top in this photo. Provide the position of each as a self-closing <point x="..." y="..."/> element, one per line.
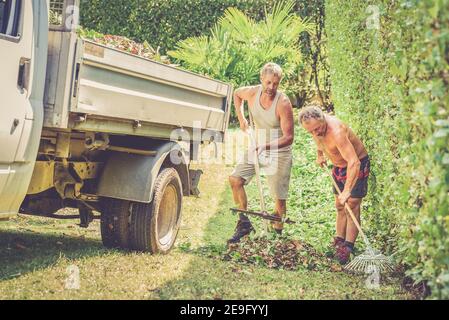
<point x="272" y="114"/>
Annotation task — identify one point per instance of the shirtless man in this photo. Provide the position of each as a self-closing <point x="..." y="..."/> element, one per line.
<point x="273" y="118"/>
<point x="351" y="171"/>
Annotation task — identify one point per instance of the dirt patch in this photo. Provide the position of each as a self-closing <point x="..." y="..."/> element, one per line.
<point x="280" y="254"/>
<point x="419" y="290"/>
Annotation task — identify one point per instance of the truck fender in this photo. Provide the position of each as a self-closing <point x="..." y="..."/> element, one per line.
<point x="131" y="176"/>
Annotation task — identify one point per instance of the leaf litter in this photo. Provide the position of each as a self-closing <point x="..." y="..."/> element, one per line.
<point x="144" y="50"/>
<point x="273" y="253"/>
<point x="280" y="253"/>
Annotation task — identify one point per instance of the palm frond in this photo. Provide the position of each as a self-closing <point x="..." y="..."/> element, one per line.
<point x="238" y="24"/>
<point x="238" y="46"/>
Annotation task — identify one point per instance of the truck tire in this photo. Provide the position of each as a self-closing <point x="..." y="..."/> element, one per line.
<point x="114" y="223"/>
<point x="155" y="226"/>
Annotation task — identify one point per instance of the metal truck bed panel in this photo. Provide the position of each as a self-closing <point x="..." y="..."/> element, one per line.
<point x="103" y="91"/>
<point x="107" y="85"/>
<point x="59" y="78"/>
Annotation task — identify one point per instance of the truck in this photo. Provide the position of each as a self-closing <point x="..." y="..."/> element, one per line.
<point x="86" y="126"/>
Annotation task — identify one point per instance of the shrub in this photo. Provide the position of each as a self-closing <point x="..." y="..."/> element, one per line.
<point x="239" y="46"/>
<point x="162" y="22"/>
<point x="390" y="83"/>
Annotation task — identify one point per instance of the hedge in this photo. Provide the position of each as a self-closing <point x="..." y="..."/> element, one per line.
<point x="162" y="22"/>
<point x="390" y="83"/>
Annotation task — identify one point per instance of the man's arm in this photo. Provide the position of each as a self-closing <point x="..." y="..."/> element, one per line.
<point x="287" y="126"/>
<point x="348" y="153"/>
<point x="240" y="96"/>
<point x="320" y="159"/>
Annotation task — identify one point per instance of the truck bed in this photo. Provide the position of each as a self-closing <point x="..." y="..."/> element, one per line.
<point x="107" y="90"/>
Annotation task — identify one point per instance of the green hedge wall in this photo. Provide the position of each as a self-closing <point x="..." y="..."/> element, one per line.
<point x="390" y="83"/>
<point x="162" y="22"/>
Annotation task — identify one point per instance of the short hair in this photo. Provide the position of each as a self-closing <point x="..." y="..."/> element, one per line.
<point x="271" y="68"/>
<point x="312" y="111"/>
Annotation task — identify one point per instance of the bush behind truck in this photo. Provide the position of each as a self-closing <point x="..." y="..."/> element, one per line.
<point x="94" y="128"/>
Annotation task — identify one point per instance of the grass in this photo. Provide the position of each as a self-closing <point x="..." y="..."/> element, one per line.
<point x="36" y="253"/>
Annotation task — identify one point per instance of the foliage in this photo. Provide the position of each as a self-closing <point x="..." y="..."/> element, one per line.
<point x="239" y="46"/>
<point x="313" y="82"/>
<point x="390" y="83"/>
<point x="55" y="18"/>
<point x="144" y="49"/>
<point x="163" y="23"/>
<point x="281" y="253"/>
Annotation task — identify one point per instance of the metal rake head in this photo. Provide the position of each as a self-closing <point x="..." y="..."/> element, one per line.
<point x="370" y="262"/>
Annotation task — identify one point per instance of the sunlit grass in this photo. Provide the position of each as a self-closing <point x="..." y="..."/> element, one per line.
<point x="35" y="253"/>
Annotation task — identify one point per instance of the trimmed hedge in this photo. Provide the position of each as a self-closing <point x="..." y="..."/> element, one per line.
<point x="162" y="22"/>
<point x="391" y="85"/>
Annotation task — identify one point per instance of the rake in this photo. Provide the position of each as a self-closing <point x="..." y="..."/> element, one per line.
<point x="371" y="260"/>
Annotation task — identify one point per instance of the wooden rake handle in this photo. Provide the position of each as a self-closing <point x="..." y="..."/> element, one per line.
<point x="351" y="213"/>
<point x="252" y="138"/>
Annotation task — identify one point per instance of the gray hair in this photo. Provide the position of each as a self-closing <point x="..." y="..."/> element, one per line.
<point x="311" y="112"/>
<point x="272" y="68"/>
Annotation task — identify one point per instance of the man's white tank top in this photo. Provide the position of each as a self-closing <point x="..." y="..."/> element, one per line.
<point x="268" y="126"/>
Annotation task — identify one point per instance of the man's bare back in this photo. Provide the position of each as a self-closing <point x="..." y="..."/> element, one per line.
<point x="336" y="128"/>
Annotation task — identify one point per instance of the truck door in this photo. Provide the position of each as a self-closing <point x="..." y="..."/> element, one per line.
<point x="16" y="49"/>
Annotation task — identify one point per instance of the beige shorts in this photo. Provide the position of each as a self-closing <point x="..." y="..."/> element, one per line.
<point x="275" y="165"/>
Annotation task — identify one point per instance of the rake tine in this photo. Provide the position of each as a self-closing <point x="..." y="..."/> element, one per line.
<point x="365" y="262"/>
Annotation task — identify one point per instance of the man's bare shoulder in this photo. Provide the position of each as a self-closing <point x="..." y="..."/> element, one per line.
<point x="338" y="129"/>
<point x="284" y="104"/>
<point x="284" y="100"/>
<point x="247" y="92"/>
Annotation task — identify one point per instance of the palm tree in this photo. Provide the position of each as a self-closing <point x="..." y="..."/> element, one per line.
<point x="239" y="46"/>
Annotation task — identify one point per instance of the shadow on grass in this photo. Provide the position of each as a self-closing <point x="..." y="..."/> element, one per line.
<point x="24" y="252"/>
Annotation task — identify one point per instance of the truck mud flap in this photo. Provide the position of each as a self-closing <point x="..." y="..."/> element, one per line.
<point x="195" y="176"/>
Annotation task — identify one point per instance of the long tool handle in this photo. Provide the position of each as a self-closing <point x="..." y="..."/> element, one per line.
<point x="257" y="168"/>
<point x="264" y="216"/>
<point x="351" y="213"/>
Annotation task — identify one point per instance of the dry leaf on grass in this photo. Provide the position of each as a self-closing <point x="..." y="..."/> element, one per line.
<point x="280" y="254"/>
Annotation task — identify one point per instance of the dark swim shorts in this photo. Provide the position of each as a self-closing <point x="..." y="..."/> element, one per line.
<point x="361" y="187"/>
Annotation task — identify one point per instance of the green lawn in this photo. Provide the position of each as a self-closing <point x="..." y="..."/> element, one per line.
<point x="36" y="253"/>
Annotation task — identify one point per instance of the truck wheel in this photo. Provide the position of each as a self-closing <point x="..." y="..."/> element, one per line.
<point x="114" y="223"/>
<point x="155" y="226"/>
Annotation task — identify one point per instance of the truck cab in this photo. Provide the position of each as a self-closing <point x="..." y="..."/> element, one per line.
<point x="22" y="81"/>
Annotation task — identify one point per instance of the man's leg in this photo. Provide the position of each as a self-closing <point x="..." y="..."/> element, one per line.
<point x="344" y="252"/>
<point x="244" y="226"/>
<point x="341" y="223"/>
<point x="239" y="194"/>
<point x="281" y="211"/>
<point x="238" y="191"/>
<point x="351" y="229"/>
<point x="340" y="228"/>
<point x="279" y="181"/>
